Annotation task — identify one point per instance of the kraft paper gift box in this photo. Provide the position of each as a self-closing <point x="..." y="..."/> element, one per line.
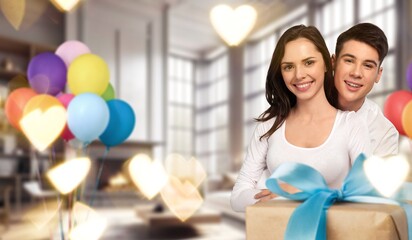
<point x="345" y="220"/>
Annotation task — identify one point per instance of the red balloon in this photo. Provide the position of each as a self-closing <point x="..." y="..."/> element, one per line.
<point x="65" y="99"/>
<point x="15" y="104"/>
<point x="393" y="108"/>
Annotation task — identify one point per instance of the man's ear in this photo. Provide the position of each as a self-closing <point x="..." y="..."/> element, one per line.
<point x="333" y="59"/>
<point x="379" y="75"/>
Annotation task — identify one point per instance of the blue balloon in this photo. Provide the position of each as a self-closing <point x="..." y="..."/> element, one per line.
<point x="121" y="123"/>
<point x="87" y="116"/>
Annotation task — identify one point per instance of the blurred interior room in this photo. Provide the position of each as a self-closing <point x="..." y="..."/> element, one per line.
<point x="194" y="97"/>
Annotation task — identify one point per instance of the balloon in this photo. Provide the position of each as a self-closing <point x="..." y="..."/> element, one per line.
<point x="65" y="100"/>
<point x="393" y="108"/>
<point x="15" y="104"/>
<point x="121" y="123"/>
<point x="87" y="116"/>
<point x="44" y="118"/>
<point x="70" y="50"/>
<point x="47" y="73"/>
<point x="407" y="119"/>
<point x="109" y="93"/>
<point x="409" y="75"/>
<point x="88" y="73"/>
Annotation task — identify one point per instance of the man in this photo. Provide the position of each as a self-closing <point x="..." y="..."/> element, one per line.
<point x="357" y="64"/>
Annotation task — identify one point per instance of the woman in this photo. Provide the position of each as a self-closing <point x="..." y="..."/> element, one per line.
<point x="302" y="123"/>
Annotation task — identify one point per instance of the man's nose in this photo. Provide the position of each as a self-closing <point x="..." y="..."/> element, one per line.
<point x="356" y="71"/>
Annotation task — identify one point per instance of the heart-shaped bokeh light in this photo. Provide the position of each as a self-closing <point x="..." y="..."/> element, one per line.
<point x="182" y="199"/>
<point x="65" y="5"/>
<point x="44" y="118"/>
<point x="233" y="25"/>
<point x="68" y="175"/>
<point x="387" y="174"/>
<point x="88" y="223"/>
<point x="43" y="213"/>
<point x="190" y="170"/>
<point x="13" y="11"/>
<point x="149" y="176"/>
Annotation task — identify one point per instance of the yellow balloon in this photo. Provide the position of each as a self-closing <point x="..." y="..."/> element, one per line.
<point x="44" y="118"/>
<point x="407" y="119"/>
<point x="88" y="73"/>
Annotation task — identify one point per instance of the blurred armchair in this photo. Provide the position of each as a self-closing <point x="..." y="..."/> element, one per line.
<point x="35" y="190"/>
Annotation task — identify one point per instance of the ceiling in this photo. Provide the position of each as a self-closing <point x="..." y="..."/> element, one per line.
<point x="190" y="29"/>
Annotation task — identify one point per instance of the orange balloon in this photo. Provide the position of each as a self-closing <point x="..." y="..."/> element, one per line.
<point x="407" y="119"/>
<point x="15" y="104"/>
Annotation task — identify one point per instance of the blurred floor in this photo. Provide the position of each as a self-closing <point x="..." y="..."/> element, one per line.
<point x="123" y="224"/>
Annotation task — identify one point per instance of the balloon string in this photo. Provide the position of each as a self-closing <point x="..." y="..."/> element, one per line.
<point x="70" y="205"/>
<point x="61" y="218"/>
<point x="99" y="175"/>
<point x="80" y="189"/>
<point x="59" y="197"/>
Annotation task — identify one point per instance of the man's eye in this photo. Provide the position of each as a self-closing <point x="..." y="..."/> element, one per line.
<point x="348" y="60"/>
<point x="369" y="66"/>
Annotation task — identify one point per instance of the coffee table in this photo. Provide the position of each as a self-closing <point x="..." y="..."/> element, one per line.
<point x="167" y="219"/>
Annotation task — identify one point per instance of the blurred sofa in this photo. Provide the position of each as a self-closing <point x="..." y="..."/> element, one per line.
<point x="217" y="193"/>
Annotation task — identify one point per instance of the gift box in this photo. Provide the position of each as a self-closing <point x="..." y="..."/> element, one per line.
<point x="345" y="220"/>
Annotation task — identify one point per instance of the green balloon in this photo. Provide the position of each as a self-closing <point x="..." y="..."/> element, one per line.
<point x="108" y="93"/>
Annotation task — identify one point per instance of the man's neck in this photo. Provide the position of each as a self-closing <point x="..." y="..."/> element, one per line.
<point x="351" y="106"/>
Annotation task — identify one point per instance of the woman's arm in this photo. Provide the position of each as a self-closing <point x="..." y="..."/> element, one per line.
<point x="244" y="191"/>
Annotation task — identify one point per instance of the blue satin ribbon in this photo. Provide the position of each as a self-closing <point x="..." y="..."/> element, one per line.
<point x="308" y="221"/>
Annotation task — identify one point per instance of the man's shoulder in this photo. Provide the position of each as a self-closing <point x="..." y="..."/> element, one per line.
<point x="383" y="134"/>
<point x="373" y="115"/>
<point x="369" y="105"/>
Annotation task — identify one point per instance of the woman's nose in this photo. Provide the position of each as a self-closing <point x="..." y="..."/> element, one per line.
<point x="300" y="73"/>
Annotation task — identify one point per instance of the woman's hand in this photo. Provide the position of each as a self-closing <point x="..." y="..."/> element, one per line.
<point x="266" y="195"/>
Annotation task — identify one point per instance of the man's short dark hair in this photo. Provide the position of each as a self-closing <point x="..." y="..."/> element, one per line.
<point x="366" y="33"/>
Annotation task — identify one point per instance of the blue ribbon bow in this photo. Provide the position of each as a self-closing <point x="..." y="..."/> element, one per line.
<point x="308" y="221"/>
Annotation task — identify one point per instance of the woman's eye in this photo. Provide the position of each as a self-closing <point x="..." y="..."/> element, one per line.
<point x="287" y="67"/>
<point x="308" y="63"/>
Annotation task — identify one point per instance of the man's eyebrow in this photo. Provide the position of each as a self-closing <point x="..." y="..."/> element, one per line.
<point x="367" y="60"/>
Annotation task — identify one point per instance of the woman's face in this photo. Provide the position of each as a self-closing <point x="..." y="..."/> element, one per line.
<point x="303" y="69"/>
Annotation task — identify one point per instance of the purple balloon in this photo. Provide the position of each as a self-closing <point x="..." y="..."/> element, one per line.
<point x="409" y="75"/>
<point x="47" y="73"/>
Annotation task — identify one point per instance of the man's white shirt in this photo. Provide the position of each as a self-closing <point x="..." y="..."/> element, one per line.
<point x="384" y="138"/>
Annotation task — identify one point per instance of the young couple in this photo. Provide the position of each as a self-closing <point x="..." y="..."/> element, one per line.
<point x="319" y="114"/>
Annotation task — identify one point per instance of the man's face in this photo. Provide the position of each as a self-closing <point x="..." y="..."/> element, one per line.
<point x="356" y="71"/>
